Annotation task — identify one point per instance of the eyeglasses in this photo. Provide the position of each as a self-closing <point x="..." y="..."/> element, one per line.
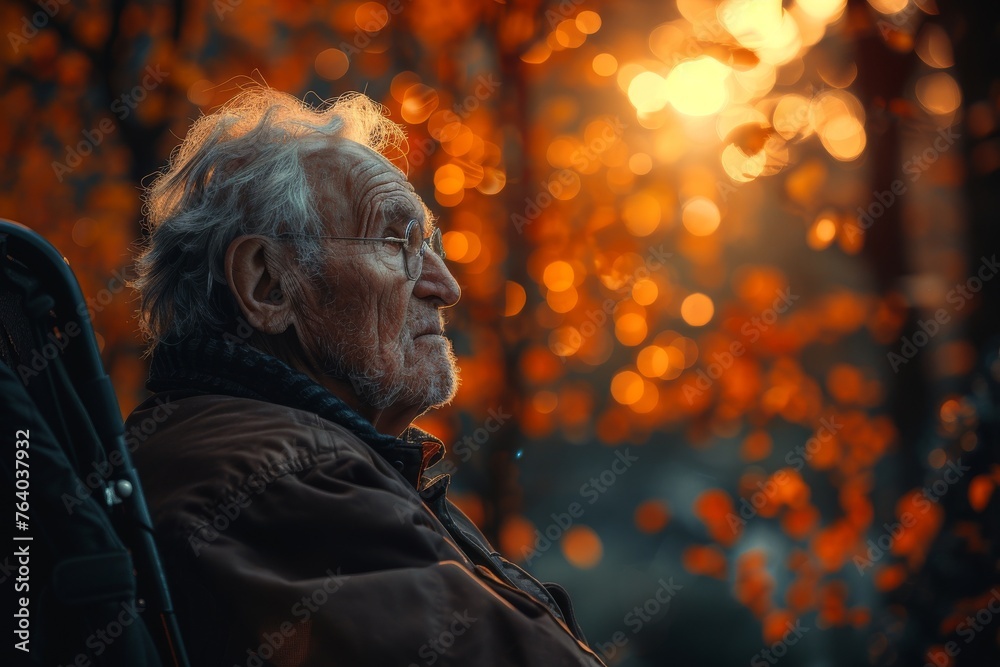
<point x="414" y="244"/>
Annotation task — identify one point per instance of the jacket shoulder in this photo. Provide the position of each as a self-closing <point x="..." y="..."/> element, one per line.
<point x="195" y="454"/>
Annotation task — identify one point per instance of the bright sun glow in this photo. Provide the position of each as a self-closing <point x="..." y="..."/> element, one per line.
<point x="698" y="87"/>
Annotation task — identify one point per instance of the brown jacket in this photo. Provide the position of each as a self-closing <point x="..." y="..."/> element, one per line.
<point x="289" y="541"/>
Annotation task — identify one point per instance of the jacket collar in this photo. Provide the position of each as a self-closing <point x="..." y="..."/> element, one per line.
<point x="222" y="366"/>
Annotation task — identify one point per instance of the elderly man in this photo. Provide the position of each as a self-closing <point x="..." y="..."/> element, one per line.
<point x="292" y="292"/>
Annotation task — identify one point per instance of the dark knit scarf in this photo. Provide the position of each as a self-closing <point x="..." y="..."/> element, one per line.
<point x="215" y="366"/>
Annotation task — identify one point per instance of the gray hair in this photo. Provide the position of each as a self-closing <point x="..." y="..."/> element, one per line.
<point x="240" y="170"/>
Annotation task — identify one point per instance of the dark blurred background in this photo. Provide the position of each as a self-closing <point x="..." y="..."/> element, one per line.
<point x="729" y="332"/>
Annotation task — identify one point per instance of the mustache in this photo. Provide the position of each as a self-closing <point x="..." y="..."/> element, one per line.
<point x="430" y="323"/>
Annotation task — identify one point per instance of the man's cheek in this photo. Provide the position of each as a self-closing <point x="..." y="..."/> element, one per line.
<point x="391" y="313"/>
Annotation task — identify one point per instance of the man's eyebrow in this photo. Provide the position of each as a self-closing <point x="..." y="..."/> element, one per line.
<point x="401" y="210"/>
<point x="397" y="209"/>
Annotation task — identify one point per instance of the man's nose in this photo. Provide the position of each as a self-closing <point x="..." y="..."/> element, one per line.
<point x="436" y="282"/>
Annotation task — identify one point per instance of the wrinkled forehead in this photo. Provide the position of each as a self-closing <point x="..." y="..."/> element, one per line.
<point x="359" y="190"/>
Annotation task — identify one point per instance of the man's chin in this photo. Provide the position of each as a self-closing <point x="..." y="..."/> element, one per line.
<point x="429" y="384"/>
<point x="440" y="384"/>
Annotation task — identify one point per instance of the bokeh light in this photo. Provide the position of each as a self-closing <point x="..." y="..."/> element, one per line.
<point x="697" y="87"/>
<point x="582" y="547"/>
<point x="558" y="276"/>
<point x="697" y="309"/>
<point x="701" y="216"/>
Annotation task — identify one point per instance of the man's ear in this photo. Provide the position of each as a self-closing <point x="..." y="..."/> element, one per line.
<point x="252" y="276"/>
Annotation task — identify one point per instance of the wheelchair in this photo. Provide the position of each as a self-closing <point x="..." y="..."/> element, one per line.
<point x="85" y="580"/>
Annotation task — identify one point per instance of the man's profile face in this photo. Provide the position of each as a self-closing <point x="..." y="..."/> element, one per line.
<point x="369" y="324"/>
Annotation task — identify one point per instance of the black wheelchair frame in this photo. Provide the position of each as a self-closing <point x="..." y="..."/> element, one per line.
<point x="96" y="593"/>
